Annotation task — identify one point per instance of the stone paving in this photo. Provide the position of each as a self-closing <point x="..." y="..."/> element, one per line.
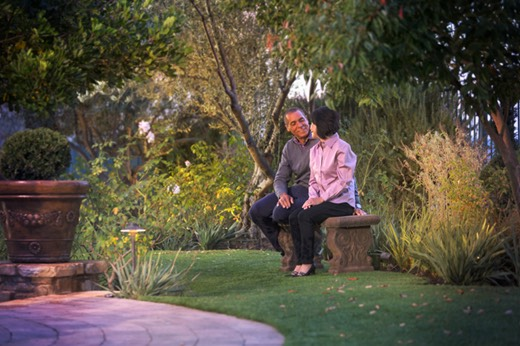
<point x="92" y="318"/>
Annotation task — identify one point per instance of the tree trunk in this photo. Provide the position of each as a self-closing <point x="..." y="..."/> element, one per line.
<point x="263" y="175"/>
<point x="501" y="136"/>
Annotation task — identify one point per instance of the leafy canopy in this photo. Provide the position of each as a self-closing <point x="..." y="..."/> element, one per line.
<point x="472" y="47"/>
<point x="52" y="50"/>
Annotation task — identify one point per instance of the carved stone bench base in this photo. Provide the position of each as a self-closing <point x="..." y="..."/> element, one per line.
<point x="349" y="238"/>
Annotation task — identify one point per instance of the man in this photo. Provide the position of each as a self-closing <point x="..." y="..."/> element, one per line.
<point x="274" y="209"/>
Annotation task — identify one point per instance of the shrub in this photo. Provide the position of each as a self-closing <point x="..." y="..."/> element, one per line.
<point x="512" y="260"/>
<point x="402" y="235"/>
<point x="35" y="154"/>
<point x="210" y="235"/>
<point x="447" y="174"/>
<point x="150" y="277"/>
<point x="462" y="253"/>
<point x="376" y="131"/>
<point x="496" y="182"/>
<point x="166" y="199"/>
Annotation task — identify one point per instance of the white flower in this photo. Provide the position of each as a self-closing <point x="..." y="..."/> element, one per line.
<point x="176" y="189"/>
<point x="187" y="163"/>
<point x="150" y="137"/>
<point x="144" y="127"/>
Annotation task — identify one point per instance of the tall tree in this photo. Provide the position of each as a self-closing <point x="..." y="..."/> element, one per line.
<point x="242" y="86"/>
<point x="52" y="50"/>
<point x="469" y="47"/>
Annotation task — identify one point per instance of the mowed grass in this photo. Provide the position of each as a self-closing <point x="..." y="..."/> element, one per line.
<point x="370" y="308"/>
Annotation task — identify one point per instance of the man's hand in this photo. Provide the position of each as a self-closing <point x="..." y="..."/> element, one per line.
<point x="359" y="212"/>
<point x="285" y="200"/>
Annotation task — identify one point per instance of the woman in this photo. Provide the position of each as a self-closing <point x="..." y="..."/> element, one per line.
<point x="331" y="187"/>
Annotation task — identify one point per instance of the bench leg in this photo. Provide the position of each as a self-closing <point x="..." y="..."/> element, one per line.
<point x="289" y="258"/>
<point x="349" y="247"/>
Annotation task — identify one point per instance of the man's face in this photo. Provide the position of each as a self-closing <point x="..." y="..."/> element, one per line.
<point x="297" y="124"/>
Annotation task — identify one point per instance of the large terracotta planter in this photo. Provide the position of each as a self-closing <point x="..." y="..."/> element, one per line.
<point x="39" y="218"/>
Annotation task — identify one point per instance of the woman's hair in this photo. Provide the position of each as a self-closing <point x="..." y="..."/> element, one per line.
<point x="326" y="121"/>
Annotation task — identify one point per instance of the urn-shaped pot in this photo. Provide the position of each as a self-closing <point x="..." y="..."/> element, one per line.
<point x="39" y="218"/>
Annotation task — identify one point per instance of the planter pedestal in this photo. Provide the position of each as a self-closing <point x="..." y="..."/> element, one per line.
<point x="27" y="280"/>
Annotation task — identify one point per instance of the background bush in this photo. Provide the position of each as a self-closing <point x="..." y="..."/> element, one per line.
<point x="166" y="199"/>
<point x="35" y="154"/>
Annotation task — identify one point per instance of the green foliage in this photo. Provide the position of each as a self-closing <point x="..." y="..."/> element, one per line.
<point x="403" y="234"/>
<point x="165" y="199"/>
<point x="212" y="186"/>
<point x="210" y="235"/>
<point x="3" y="246"/>
<point x="447" y="171"/>
<point x="512" y="249"/>
<point x="151" y="277"/>
<point x="51" y="51"/>
<point x="364" y="42"/>
<point x="35" y="154"/>
<point x="462" y="253"/>
<point x="495" y="181"/>
<point x="377" y="132"/>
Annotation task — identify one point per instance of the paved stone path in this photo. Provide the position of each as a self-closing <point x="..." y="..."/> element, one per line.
<point x="90" y="318"/>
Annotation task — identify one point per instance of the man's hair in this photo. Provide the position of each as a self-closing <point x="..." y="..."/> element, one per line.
<point x="326" y="121"/>
<point x="292" y="110"/>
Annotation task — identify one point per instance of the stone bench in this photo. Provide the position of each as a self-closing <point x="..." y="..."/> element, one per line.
<point x="349" y="238"/>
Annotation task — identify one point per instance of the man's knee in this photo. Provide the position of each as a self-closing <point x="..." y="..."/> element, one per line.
<point x="280" y="215"/>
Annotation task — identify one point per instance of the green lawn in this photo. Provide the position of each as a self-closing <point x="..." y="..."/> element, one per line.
<point x="374" y="308"/>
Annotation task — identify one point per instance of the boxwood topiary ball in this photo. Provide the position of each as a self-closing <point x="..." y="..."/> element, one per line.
<point x="35" y="154"/>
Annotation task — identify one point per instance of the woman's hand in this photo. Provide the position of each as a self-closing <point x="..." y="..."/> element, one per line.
<point x="359" y="212"/>
<point x="312" y="201"/>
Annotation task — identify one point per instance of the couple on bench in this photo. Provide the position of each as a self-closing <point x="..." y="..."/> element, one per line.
<point x="323" y="166"/>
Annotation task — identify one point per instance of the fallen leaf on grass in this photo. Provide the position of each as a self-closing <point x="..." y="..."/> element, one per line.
<point x="372" y="312"/>
<point x="352" y="279"/>
<point x="402" y="324"/>
<point x="330" y="308"/>
<point x="467" y="310"/>
<point x="509" y="312"/>
<point x="361" y="305"/>
<point x="403" y="295"/>
<point x="368" y="286"/>
<point x="282" y="306"/>
<point x="291" y="291"/>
